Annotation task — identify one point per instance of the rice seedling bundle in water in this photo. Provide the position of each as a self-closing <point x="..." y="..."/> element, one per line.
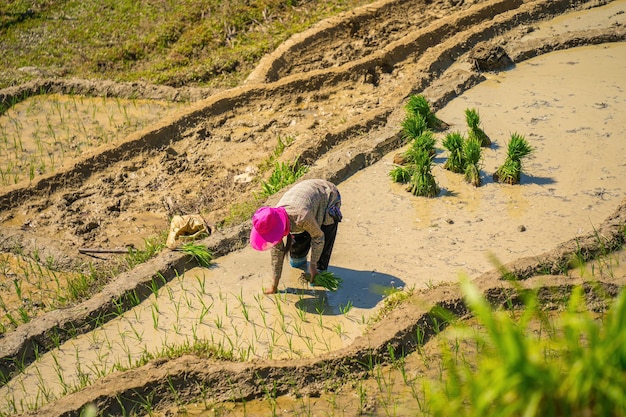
<point x="472" y="152"/>
<point x="418" y="105"/>
<point x="425" y="142"/>
<point x="422" y="183"/>
<point x="453" y="142"/>
<point x="473" y="123"/>
<point x="328" y="280"/>
<point x="510" y="171"/>
<point x="401" y="174"/>
<point x="413" y="126"/>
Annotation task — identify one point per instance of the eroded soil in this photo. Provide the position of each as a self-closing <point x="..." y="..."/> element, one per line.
<point x="187" y="164"/>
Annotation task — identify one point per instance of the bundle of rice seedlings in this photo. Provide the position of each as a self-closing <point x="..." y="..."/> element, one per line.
<point x="401" y="174"/>
<point x="473" y="123"/>
<point x="328" y="280"/>
<point x="510" y="171"/>
<point x="425" y="142"/>
<point x="422" y="183"/>
<point x="453" y="142"/>
<point x="418" y="104"/>
<point x="200" y="253"/>
<point x="413" y="126"/>
<point x="472" y="152"/>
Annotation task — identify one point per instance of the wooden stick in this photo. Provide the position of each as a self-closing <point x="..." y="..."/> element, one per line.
<point x="100" y="250"/>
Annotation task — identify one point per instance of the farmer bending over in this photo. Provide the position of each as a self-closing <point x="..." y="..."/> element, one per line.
<point x="307" y="215"/>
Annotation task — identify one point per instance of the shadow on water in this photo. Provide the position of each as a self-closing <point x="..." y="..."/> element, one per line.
<point x="531" y="179"/>
<point x="487" y="178"/>
<point x="359" y="289"/>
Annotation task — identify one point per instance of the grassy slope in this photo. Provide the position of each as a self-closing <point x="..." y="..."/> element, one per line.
<point x="171" y="42"/>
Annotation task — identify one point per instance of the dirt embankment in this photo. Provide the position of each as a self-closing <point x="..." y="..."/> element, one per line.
<point x="187" y="164"/>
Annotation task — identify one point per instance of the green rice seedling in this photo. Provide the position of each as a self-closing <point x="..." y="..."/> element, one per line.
<point x="201" y="254"/>
<point x="12" y="320"/>
<point x="204" y="311"/>
<point x="154" y="309"/>
<point x="456" y="161"/>
<point x="309" y="344"/>
<point x="301" y="313"/>
<point x="218" y="322"/>
<point x="338" y="328"/>
<point x="202" y="283"/>
<point x="472" y="152"/>
<point x="472" y="119"/>
<point x="17" y="284"/>
<point x="510" y="171"/>
<point x="422" y="183"/>
<point x="418" y="104"/>
<point x="244" y="307"/>
<point x="23" y="315"/>
<point x="413" y="126"/>
<point x="328" y="280"/>
<point x="345" y="309"/>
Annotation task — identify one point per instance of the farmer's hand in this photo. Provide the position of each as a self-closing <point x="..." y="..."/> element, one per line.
<point x="271" y="290"/>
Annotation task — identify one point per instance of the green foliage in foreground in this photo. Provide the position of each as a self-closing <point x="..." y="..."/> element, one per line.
<point x="413" y="126"/>
<point x="579" y="369"/>
<point x="423" y="143"/>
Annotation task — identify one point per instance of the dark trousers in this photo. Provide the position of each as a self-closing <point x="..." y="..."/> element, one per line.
<point x="302" y="243"/>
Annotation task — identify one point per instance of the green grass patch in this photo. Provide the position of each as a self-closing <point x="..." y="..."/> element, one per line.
<point x="283" y="175"/>
<point x="190" y="42"/>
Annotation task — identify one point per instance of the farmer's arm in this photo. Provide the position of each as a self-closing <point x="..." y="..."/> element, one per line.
<point x="317" y="242"/>
<point x="278" y="256"/>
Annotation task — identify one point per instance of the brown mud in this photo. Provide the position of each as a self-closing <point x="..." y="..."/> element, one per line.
<point x="187" y="163"/>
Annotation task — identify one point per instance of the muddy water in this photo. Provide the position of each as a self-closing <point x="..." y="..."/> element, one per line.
<point x="567" y="104"/>
<point x="29" y="288"/>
